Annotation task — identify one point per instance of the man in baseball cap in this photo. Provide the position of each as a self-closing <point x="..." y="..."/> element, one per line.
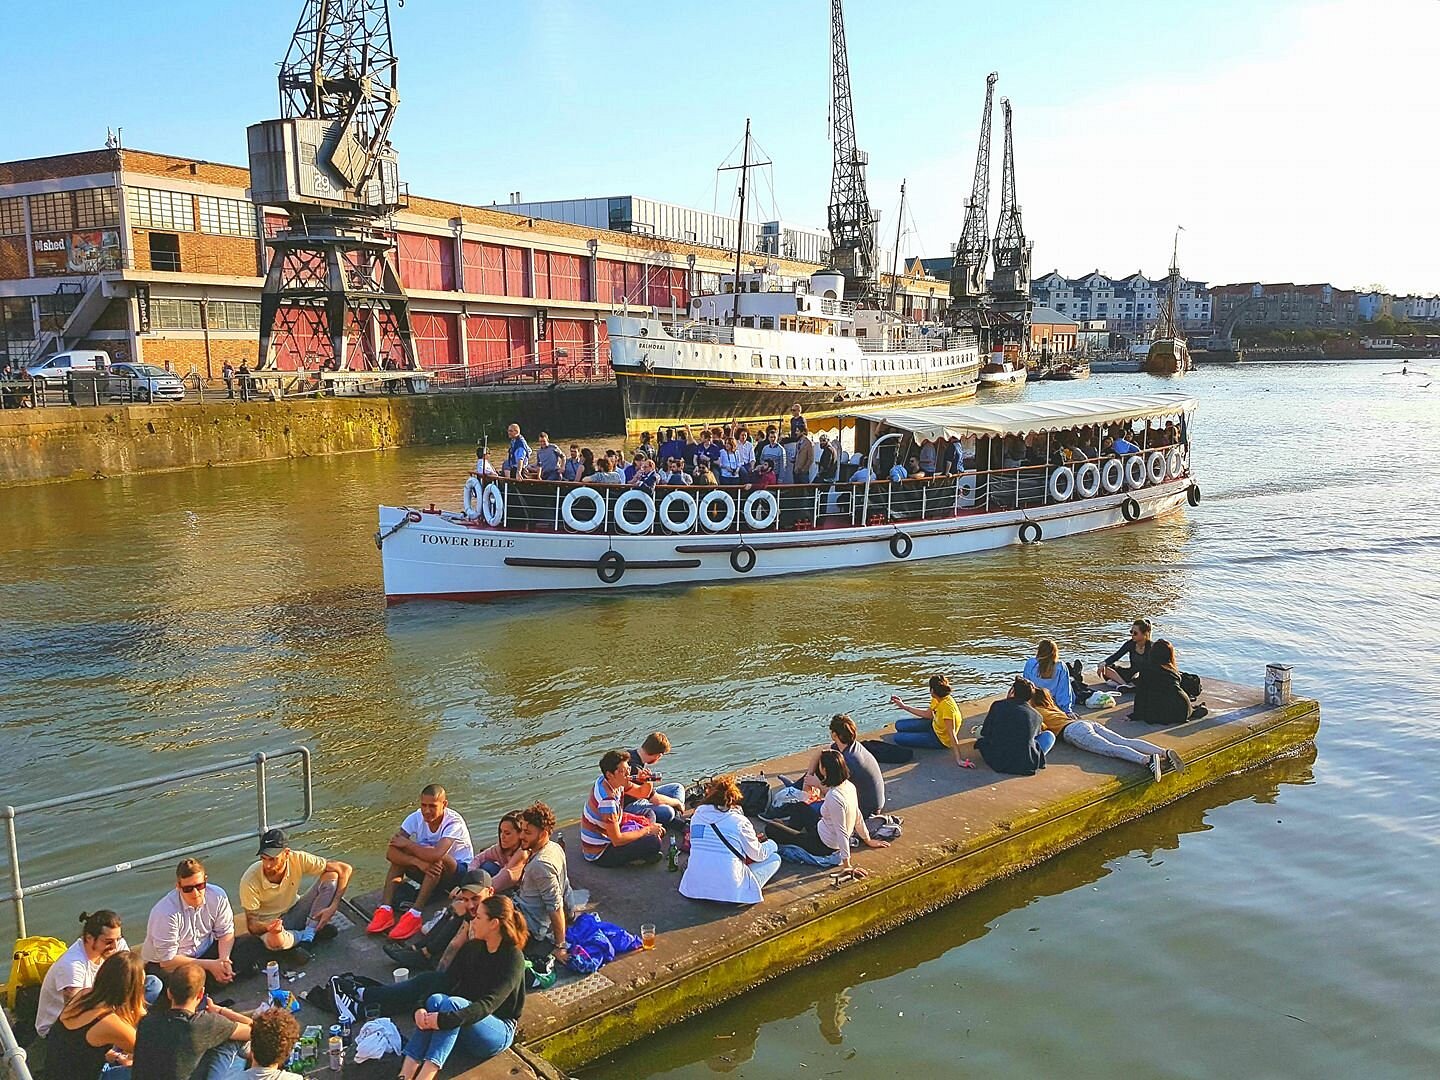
<point x="275" y="913"/>
<point x="473" y="887"/>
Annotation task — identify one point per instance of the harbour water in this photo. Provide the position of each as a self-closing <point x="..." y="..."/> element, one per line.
<point x="1278" y="924"/>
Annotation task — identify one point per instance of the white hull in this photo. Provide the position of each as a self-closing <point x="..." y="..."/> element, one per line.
<point x="441" y="556"/>
<point x="1002" y="378"/>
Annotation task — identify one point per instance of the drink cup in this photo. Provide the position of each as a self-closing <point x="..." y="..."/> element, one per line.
<point x="401" y="974"/>
<point x="647" y="935"/>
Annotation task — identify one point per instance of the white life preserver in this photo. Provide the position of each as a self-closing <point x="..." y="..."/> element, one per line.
<point x="1087" y="480"/>
<point x="579" y="524"/>
<point x="721" y="498"/>
<point x="470" y="498"/>
<point x="1172" y="463"/>
<point x="1185" y="460"/>
<point x="771" y="514"/>
<point x="634" y="528"/>
<point x="1135" y="471"/>
<point x="1062" y="484"/>
<point x="692" y="511"/>
<point x="492" y="505"/>
<point x="1155" y="465"/>
<point x="1112" y="476"/>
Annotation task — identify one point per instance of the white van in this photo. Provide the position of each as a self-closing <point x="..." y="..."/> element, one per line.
<point x="56" y="368"/>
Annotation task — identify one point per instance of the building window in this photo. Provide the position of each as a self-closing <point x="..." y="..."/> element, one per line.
<point x="52" y="212"/>
<point x="175" y="314"/>
<point x="97" y="208"/>
<point x="233" y="315"/>
<point x="164" y="251"/>
<point x="227" y="217"/>
<point x="152" y="209"/>
<point x="12" y="217"/>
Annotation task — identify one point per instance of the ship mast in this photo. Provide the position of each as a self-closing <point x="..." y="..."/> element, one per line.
<point x="1168" y="328"/>
<point x="745" y="166"/>
<point x="895" y="257"/>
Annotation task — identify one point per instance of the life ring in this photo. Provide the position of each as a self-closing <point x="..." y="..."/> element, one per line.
<point x="727" y="518"/>
<point x="1172" y="464"/>
<point x="610" y="567"/>
<point x="1135" y="472"/>
<point x="742" y="559"/>
<point x="492" y="505"/>
<point x="588" y="495"/>
<point x="470" y="497"/>
<point x="1112" y="476"/>
<point x="1062" y="484"/>
<point x="1087" y="480"/>
<point x="647" y="519"/>
<point x="1130" y="509"/>
<point x="771" y="514"/>
<point x="691" y="512"/>
<point x="901" y="545"/>
<point x="1192" y="495"/>
<point x="1030" y="529"/>
<point x="1155" y="466"/>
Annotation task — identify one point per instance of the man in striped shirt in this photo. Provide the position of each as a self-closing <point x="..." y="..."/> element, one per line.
<point x="606" y="837"/>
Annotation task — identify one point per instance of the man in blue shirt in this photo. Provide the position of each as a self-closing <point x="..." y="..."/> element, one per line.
<point x="547" y="457"/>
<point x="898" y="471"/>
<point x="1125" y="446"/>
<point x="519" y="453"/>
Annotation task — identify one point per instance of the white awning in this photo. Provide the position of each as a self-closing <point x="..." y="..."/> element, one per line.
<point x="1021" y="418"/>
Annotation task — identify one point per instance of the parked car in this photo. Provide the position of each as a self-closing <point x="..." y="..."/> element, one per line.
<point x="145" y="382"/>
<point x="56" y="368"/>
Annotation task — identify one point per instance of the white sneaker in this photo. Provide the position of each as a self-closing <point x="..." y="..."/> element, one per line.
<point x="1155" y="767"/>
<point x="1177" y="763"/>
<point x="346" y="1006"/>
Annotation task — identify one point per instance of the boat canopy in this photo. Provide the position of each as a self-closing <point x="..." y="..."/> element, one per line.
<point x="1021" y="418"/>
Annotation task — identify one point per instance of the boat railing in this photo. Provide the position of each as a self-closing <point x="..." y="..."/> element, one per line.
<point x="713" y="333"/>
<point x="259" y="764"/>
<point x="13" y="1061"/>
<point x="738" y="509"/>
<point x="842" y="308"/>
<point x="911" y="343"/>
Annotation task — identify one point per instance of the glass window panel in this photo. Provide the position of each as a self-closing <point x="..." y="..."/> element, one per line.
<point x="12" y="216"/>
<point x="52" y="212"/>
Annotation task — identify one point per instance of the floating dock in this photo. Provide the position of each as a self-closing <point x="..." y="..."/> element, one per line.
<point x="963" y="829"/>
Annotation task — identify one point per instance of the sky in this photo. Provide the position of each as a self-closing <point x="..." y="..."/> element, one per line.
<point x="1294" y="140"/>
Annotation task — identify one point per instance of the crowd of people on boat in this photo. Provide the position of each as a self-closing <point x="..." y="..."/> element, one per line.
<point x="106" y="1010"/>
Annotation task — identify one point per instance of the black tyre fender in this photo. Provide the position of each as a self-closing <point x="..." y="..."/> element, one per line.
<point x="901" y="545"/>
<point x="1130" y="509"/>
<point x="1030" y="532"/>
<point x="1192" y="495"/>
<point x="742" y="559"/>
<point x="610" y="567"/>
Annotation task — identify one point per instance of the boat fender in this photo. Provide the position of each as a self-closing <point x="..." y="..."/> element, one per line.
<point x="901" y="545"/>
<point x="717" y="498"/>
<point x="1062" y="484"/>
<point x="610" y="567"/>
<point x="647" y="517"/>
<point x="470" y="497"/>
<point x="757" y="518"/>
<point x="742" y="559"/>
<point x="1112" y="476"/>
<point x="1156" y="467"/>
<point x="1135" y="473"/>
<point x="1030" y="532"/>
<point x="1130" y="509"/>
<point x="1087" y="480"/>
<point x="594" y="499"/>
<point x="1192" y="495"/>
<point x="492" y="505"/>
<point x="1172" y="464"/>
<point x="690" y="513"/>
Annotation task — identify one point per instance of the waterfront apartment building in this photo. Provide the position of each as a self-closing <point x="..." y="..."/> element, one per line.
<point x="1129" y="305"/>
<point x="1253" y="305"/>
<point x="155" y="257"/>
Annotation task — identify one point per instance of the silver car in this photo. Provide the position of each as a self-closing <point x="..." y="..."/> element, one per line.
<point x="144" y="382"/>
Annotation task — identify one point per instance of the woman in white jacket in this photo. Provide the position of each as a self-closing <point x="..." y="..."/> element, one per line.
<point x="727" y="862"/>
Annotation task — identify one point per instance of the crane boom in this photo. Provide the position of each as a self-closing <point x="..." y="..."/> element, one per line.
<point x="851" y="218"/>
<point x="967" y="277"/>
<point x="1012" y="256"/>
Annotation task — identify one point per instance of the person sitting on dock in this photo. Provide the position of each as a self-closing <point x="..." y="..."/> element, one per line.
<point x="547" y="457"/>
<point x="193" y="923"/>
<point x="93" y="1036"/>
<point x="518" y="456"/>
<point x="1137" y="647"/>
<point x="1159" y="698"/>
<point x="609" y="836"/>
<point x="645" y="792"/>
<point x="935" y="728"/>
<point x="505" y="859"/>
<point x="544" y="896"/>
<point x="275" y="913"/>
<point x="1044" y="669"/>
<point x="1098" y="739"/>
<point x="273" y="1034"/>
<point x="728" y="863"/>
<point x="1012" y="738"/>
<point x="433" y="844"/>
<point x="675" y="474"/>
<point x="818" y="832"/>
<point x="864" y="770"/>
<point x="187" y="1041"/>
<point x="99" y="939"/>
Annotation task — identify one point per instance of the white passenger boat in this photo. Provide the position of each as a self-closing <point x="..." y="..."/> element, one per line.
<point x="526" y="536"/>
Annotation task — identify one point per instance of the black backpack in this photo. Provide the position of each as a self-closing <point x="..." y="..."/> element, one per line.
<point x="754" y="796"/>
<point x="1190" y="683"/>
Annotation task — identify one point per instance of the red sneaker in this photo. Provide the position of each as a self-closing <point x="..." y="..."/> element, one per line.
<point x="382" y="920"/>
<point x="408" y="926"/>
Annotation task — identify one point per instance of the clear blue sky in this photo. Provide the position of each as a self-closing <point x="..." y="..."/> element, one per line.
<point x="1120" y="133"/>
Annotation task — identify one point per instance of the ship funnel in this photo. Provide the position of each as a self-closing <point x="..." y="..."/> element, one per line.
<point x="828" y="283"/>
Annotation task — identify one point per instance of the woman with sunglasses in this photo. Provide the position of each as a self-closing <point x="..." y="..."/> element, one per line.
<point x="1136" y="650"/>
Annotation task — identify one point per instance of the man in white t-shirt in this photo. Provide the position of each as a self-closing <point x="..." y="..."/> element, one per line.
<point x="78" y="965"/>
<point x="433" y="846"/>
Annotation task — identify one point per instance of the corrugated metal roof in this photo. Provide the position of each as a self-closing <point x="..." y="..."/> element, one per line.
<point x="1023" y="417"/>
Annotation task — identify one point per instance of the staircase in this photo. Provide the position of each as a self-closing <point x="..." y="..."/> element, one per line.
<point x="90" y="300"/>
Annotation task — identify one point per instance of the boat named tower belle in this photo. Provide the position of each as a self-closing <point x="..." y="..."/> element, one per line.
<point x="787" y="344"/>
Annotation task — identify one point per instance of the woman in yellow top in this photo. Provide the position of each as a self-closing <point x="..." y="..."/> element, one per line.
<point x="935" y="728"/>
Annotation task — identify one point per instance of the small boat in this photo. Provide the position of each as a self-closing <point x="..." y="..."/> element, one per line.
<point x="1003" y="369"/>
<point x="1169" y="354"/>
<point x="1064" y="372"/>
<point x="516" y="536"/>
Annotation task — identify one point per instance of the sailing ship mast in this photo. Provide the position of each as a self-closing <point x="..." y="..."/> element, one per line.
<point x="1168" y="329"/>
<point x="895" y="258"/>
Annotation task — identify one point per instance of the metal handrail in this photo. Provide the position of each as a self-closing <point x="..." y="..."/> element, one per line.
<point x="12" y="1055"/>
<point x="19" y="891"/>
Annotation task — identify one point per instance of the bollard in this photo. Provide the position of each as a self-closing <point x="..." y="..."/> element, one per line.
<point x="1277" y="684"/>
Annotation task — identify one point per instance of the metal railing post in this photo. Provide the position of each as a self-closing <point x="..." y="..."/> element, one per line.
<point x="262" y="810"/>
<point x="14" y="1062"/>
<point x="15" y="885"/>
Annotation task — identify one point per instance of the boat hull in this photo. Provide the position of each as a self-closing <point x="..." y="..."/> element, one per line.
<point x="1168" y="356"/>
<point x="1002" y="378"/>
<point x="444" y="557"/>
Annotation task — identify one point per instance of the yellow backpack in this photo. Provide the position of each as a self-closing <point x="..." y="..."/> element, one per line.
<point x="31" y="959"/>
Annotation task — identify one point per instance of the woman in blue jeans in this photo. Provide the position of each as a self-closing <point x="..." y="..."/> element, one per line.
<point x="486" y="995"/>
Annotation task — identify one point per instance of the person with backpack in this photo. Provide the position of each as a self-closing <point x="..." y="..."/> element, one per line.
<point x="728" y="863"/>
<point x="95" y="1031"/>
<point x="1159" y="697"/>
<point x="818" y="832"/>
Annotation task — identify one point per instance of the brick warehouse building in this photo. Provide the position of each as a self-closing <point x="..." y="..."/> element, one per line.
<point x="157" y="258"/>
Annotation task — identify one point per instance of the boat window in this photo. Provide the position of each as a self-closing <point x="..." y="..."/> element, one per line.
<point x="767" y="323"/>
<point x="756" y="360"/>
<point x="844" y="365"/>
<point x="790" y="363"/>
<point x="775" y="361"/>
<point x="807" y="363"/>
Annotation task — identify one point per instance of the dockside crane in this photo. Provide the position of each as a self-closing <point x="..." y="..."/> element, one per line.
<point x="972" y="253"/>
<point x="332" y="290"/>
<point x="1010" y="287"/>
<point x="852" y="220"/>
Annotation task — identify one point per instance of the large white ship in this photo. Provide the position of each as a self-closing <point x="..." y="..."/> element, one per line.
<point x="788" y="343"/>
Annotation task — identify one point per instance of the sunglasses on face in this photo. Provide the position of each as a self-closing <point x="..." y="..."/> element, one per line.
<point x="199" y="886"/>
